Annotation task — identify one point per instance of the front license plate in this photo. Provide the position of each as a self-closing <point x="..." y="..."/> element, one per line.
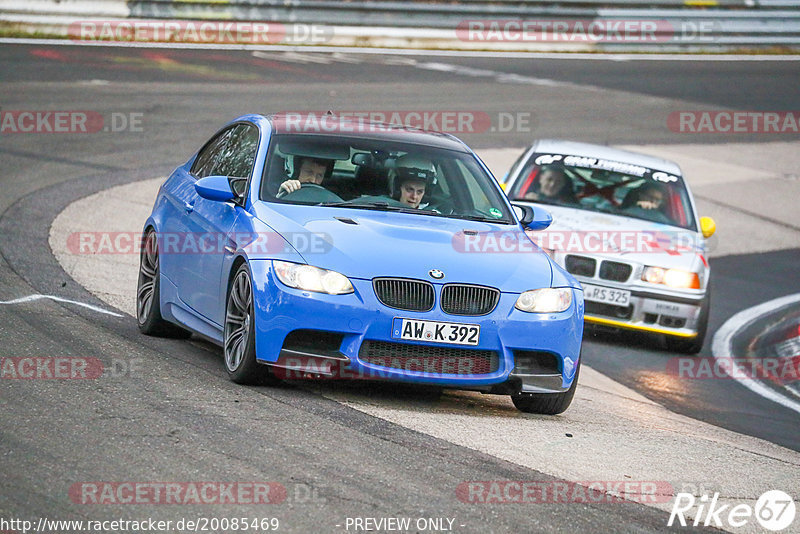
<point x="436" y="332"/>
<point x="607" y="295"/>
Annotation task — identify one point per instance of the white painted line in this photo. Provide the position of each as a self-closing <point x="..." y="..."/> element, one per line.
<point x="31" y="298"/>
<point x="723" y="339"/>
<point x="414" y="51"/>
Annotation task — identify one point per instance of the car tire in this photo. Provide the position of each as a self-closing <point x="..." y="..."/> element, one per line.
<point x="239" y="336"/>
<point x="148" y="293"/>
<point x="546" y="403"/>
<point x="695" y="344"/>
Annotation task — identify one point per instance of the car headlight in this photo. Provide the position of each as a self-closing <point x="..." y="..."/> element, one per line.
<point x="545" y="300"/>
<point x="309" y="278"/>
<point x="671" y="277"/>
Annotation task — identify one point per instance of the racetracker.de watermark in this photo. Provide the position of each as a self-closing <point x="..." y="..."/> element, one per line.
<point x="207" y="31"/>
<point x="572" y="241"/>
<point x="729" y="122"/>
<point x="96" y="243"/>
<point x="562" y="492"/>
<point x="299" y="368"/>
<point x="587" y="31"/>
<point x="68" y="122"/>
<point x="177" y="493"/>
<point x="370" y="121"/>
<point x="779" y="369"/>
<point x="66" y="368"/>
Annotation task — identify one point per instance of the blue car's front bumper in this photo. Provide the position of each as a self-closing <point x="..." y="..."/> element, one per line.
<point x="531" y="352"/>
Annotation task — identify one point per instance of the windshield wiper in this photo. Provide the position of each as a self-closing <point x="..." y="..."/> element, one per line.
<point x="383" y="206"/>
<point x="481" y="218"/>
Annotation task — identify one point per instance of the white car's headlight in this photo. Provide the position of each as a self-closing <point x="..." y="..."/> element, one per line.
<point x="309" y="278"/>
<point x="671" y="277"/>
<point x="545" y="300"/>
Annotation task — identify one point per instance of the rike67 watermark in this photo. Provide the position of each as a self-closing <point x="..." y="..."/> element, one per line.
<point x="774" y="510"/>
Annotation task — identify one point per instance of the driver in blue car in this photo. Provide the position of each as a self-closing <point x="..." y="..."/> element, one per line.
<point x="307" y="170"/>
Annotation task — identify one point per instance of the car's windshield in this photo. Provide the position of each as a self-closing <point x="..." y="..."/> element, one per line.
<point x="380" y="174"/>
<point x="607" y="186"/>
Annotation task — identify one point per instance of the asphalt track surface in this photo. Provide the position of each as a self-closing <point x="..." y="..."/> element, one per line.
<point x="182" y="420"/>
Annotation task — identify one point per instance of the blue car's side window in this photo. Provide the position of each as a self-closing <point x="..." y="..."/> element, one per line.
<point x="206" y="161"/>
<point x="237" y="157"/>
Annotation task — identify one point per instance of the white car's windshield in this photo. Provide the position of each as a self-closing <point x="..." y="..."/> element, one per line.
<point x="379" y="174"/>
<point x="607" y="186"/>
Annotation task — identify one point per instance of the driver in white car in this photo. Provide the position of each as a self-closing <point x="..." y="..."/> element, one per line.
<point x="307" y="170"/>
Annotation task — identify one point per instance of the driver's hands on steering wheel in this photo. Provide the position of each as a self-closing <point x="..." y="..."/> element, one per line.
<point x="289" y="186"/>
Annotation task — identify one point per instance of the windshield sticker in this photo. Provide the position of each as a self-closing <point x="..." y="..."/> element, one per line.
<point x="606" y="165"/>
<point x="496" y="213"/>
<point x="547" y="159"/>
<point x="664" y="177"/>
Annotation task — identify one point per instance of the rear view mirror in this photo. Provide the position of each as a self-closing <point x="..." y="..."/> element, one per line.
<point x="362" y="158"/>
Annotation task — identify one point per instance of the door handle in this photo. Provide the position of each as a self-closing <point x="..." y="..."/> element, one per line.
<point x="188" y="206"/>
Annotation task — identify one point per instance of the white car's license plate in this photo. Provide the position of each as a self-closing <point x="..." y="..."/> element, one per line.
<point x="436" y="332"/>
<point x="607" y="295"/>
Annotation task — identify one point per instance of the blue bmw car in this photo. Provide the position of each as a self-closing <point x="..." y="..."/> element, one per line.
<point x="350" y="249"/>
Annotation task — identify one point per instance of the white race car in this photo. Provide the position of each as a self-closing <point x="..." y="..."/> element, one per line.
<point x="625" y="225"/>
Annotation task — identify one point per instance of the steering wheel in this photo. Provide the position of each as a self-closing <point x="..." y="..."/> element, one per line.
<point x="305" y="185"/>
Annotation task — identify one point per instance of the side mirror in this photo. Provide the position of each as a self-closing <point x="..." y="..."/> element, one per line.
<point x="707" y="226"/>
<point x="215" y="188"/>
<point x="531" y="219"/>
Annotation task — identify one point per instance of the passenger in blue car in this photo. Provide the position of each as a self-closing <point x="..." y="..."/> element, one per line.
<point x="307" y="170"/>
<point x="411" y="180"/>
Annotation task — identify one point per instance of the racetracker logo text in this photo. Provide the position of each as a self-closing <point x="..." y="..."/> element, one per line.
<point x="600" y="241"/>
<point x="587" y="31"/>
<point x="298" y="368"/>
<point x="186" y="493"/>
<point x="759" y="122"/>
<point x="91" y="243"/>
<point x="533" y="492"/>
<point x="371" y="121"/>
<point x="778" y="369"/>
<point x="67" y="122"/>
<point x="188" y="31"/>
<point x="50" y="368"/>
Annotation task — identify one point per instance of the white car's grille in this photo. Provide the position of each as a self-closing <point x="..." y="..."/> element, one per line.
<point x="580" y="265"/>
<point x="616" y="271"/>
<point x="609" y="270"/>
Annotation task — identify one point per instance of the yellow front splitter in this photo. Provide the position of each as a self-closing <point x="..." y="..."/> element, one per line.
<point x="620" y="324"/>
